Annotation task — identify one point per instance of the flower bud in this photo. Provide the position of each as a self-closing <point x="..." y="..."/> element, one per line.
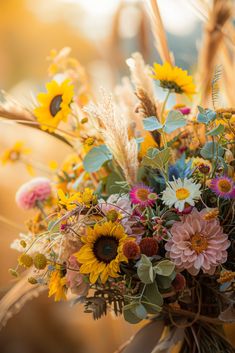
<point x="40" y="261"/>
<point x="131" y="250"/>
<point x="148" y="247"/>
<point x="25" y="260"/>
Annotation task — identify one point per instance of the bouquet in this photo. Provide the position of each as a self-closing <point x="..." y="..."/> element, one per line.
<point x="139" y="219"/>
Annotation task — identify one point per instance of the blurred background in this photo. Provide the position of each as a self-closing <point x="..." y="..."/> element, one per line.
<point x="102" y="35"/>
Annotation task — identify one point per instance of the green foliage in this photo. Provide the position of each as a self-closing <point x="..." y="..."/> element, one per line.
<point x="205" y="116"/>
<point x="164" y="268"/>
<point x="145" y="270"/>
<point x="157" y="159"/>
<point x="218" y="130"/>
<point x="211" y="150"/>
<point x="151" y="123"/>
<point x="174" y="121"/>
<point x="96" y="157"/>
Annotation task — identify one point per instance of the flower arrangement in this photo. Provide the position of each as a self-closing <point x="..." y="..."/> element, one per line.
<point x="140" y="219"/>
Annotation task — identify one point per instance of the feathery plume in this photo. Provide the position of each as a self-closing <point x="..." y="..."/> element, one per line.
<point x="114" y="129"/>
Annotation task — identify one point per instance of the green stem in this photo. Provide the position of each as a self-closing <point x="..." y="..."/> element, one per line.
<point x="162" y="117"/>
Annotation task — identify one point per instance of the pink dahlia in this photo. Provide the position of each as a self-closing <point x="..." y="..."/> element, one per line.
<point x="224" y="187"/>
<point x="142" y="195"/>
<point x="197" y="244"/>
<point x="37" y="189"/>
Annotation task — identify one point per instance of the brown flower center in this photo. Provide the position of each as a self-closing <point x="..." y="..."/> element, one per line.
<point x="224" y="185"/>
<point x="55" y="105"/>
<point x="182" y="194"/>
<point x="199" y="243"/>
<point x="105" y="248"/>
<point x="171" y="85"/>
<point x="142" y="194"/>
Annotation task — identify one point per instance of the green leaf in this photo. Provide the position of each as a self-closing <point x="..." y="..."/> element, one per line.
<point x="159" y="159"/>
<point x="174" y="121"/>
<point x="54" y="226"/>
<point x="128" y="314"/>
<point x="206" y="115"/>
<point x="217" y="130"/>
<point x="145" y="270"/>
<point x="211" y="149"/>
<point x="113" y="186"/>
<point x="165" y="282"/>
<point x="153" y="296"/>
<point x="96" y="157"/>
<point x="151" y="123"/>
<point x="139" y="310"/>
<point x="164" y="268"/>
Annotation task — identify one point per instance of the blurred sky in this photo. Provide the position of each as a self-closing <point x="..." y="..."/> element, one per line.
<point x="102" y="34"/>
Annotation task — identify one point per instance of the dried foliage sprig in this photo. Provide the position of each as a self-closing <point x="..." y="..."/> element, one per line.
<point x="114" y="129"/>
<point x="159" y="32"/>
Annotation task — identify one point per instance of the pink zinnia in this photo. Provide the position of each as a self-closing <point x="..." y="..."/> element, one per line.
<point x="37" y="189"/>
<point x="223" y="186"/>
<point x="197" y="244"/>
<point x="142" y="195"/>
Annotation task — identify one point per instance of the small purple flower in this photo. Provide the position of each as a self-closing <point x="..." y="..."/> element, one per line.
<point x="185" y="110"/>
<point x="223" y="186"/>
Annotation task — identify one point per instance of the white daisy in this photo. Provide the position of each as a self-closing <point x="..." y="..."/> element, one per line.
<point x="180" y="192"/>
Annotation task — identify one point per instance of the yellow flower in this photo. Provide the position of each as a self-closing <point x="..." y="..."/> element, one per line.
<point x="102" y="251"/>
<point x="54" y="105"/>
<point x="14" y="153"/>
<point x="68" y="201"/>
<point x="174" y="79"/>
<point x="148" y="142"/>
<point x="57" y="286"/>
<point x="71" y="201"/>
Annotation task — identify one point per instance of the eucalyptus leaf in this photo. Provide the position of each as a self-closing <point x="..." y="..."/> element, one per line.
<point x="211" y="149"/>
<point x="128" y="314"/>
<point x="153" y="296"/>
<point x="159" y="160"/>
<point x="217" y="130"/>
<point x="164" y="268"/>
<point x="206" y="115"/>
<point x="174" y="121"/>
<point x="165" y="282"/>
<point x="145" y="270"/>
<point x="96" y="157"/>
<point x="151" y="123"/>
<point x="139" y="311"/>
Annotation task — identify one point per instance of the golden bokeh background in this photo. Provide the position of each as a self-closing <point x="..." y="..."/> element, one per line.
<point x="102" y="34"/>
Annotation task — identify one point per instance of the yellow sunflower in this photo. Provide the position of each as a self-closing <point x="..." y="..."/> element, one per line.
<point x="102" y="253"/>
<point x="57" y="285"/>
<point x="70" y="201"/>
<point x="54" y="104"/>
<point x="174" y="79"/>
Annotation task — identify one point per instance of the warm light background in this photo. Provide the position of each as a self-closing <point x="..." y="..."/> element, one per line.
<point x="102" y="34"/>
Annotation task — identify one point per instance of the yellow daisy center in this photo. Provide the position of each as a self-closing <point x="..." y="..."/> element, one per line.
<point x="182" y="194"/>
<point x="224" y="185"/>
<point x="105" y="248"/>
<point x="199" y="243"/>
<point x="55" y="105"/>
<point x="142" y="194"/>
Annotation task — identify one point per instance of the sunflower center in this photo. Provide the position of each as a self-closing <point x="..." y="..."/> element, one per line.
<point x="171" y="85"/>
<point x="142" y="194"/>
<point x="105" y="248"/>
<point x="55" y="105"/>
<point x="199" y="243"/>
<point x="224" y="185"/>
<point x="182" y="194"/>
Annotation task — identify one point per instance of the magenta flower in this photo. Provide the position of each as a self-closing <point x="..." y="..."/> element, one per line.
<point x="37" y="189"/>
<point x="142" y="195"/>
<point x="185" y="110"/>
<point x="197" y="244"/>
<point x="224" y="187"/>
